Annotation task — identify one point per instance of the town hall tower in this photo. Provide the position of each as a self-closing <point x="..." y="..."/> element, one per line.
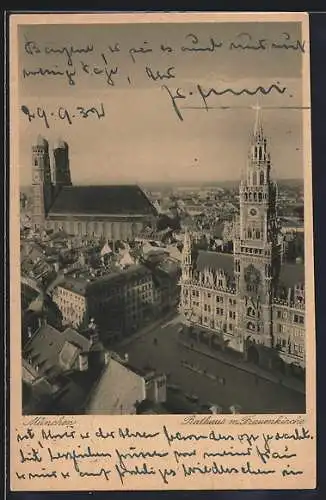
<point x="257" y="249"/>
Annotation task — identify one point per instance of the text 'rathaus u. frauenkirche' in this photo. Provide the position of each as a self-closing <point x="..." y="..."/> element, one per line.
<point x="249" y="301"/>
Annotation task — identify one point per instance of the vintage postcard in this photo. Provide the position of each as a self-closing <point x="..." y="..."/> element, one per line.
<point x="162" y="314"/>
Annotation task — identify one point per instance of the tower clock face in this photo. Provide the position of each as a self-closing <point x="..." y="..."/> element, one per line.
<point x="252" y="211"/>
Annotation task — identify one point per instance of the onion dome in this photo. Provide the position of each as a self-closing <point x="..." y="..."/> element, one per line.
<point x="42" y="142"/>
<point x="60" y="144"/>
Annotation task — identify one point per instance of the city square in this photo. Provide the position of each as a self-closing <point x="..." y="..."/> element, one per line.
<point x="205" y="380"/>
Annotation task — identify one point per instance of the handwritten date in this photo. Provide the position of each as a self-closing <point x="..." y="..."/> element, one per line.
<point x="63" y="114"/>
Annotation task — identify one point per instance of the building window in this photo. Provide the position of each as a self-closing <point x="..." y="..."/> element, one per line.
<point x="279" y="314"/>
<point x="251" y="311"/>
<point x="279" y="327"/>
<point x="298" y="319"/>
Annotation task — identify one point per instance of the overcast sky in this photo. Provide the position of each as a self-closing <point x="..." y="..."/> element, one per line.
<point x="141" y="139"/>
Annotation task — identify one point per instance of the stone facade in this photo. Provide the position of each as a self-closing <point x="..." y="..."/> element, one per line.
<point x="118" y="212"/>
<point x="252" y="304"/>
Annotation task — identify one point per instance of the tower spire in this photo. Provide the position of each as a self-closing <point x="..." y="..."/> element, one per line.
<point x="186" y="241"/>
<point x="186" y="256"/>
<point x="258" y="128"/>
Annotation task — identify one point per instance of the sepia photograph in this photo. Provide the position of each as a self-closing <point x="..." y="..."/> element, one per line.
<point x="162" y="218"/>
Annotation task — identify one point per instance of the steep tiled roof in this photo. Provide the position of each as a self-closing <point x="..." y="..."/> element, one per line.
<point x="214" y="260"/>
<point x="128" y="199"/>
<point x="291" y="275"/>
<point x="117" y="391"/>
<point x="134" y="272"/>
<point x="45" y="347"/>
<point x="76" y="285"/>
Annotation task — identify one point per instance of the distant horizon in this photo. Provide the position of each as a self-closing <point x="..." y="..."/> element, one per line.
<point x="177" y="183"/>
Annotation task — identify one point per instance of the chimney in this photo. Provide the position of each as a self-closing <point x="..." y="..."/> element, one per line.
<point x="83" y="362"/>
<point x="93" y="337"/>
<point x="41" y="321"/>
<point x="107" y="357"/>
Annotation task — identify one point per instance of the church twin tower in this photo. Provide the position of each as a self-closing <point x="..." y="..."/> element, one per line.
<point x="46" y="184"/>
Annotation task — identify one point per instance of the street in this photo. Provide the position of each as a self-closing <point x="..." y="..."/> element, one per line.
<point x="211" y="381"/>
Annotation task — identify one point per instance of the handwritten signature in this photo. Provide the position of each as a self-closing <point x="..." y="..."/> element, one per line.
<point x="204" y="94"/>
<point x="63" y="114"/>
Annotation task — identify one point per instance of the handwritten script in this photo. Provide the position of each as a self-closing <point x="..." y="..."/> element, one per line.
<point x="124" y="457"/>
<point x="153" y="65"/>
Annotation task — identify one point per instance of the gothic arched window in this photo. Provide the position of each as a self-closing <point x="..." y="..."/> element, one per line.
<point x="245" y="196"/>
<point x="254" y="178"/>
<point x="251" y="311"/>
<point x="249" y="233"/>
<point x="250" y="326"/>
<point x="261" y="177"/>
<point x="255" y="196"/>
<point x="249" y="196"/>
<point x="259" y="196"/>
